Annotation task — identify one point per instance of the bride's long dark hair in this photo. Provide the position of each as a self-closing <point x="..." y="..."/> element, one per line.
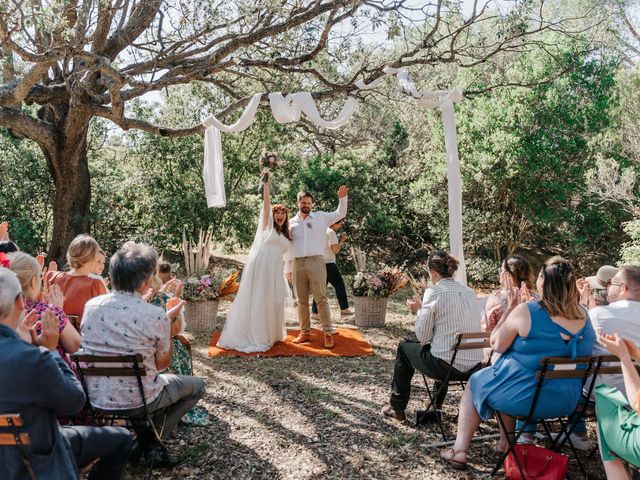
<point x="284" y="229"/>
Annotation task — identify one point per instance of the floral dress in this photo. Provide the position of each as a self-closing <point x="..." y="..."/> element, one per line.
<point x="40" y="308"/>
<point x="181" y="363"/>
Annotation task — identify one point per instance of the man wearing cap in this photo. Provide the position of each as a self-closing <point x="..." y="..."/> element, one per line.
<point x="621" y="316"/>
<point x="599" y="284"/>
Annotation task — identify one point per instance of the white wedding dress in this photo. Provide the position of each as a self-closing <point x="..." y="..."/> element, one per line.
<point x="256" y="317"/>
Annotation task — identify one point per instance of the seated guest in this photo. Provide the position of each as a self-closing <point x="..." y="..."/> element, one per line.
<point x="7" y="246"/>
<point x="621" y="316"/>
<point x="39" y="386"/>
<point x="181" y="360"/>
<point x="593" y="290"/>
<point x="29" y="274"/>
<point x="619" y="414"/>
<point x="448" y="308"/>
<point x="514" y="272"/>
<point x="165" y="271"/>
<point x="97" y="273"/>
<point x="555" y="326"/>
<point x="122" y="323"/>
<point x="77" y="285"/>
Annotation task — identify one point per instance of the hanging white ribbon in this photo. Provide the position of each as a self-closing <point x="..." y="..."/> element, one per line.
<point x="212" y="170"/>
<point x="445" y="100"/>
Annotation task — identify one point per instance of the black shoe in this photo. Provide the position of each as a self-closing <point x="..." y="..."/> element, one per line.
<point x="424" y="417"/>
<point x="157" y="457"/>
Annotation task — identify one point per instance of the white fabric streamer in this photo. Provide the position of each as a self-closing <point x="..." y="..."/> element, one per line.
<point x="445" y="100"/>
<point x="212" y="170"/>
<point x="289" y="109"/>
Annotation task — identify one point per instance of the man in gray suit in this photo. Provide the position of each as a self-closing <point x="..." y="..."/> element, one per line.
<point x="37" y="384"/>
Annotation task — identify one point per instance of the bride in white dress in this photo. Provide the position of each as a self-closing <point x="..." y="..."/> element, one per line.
<point x="256" y="317"/>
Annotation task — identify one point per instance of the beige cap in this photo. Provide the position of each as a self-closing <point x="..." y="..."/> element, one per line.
<point x="603" y="277"/>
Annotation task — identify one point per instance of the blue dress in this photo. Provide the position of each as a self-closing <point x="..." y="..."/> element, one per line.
<point x="509" y="385"/>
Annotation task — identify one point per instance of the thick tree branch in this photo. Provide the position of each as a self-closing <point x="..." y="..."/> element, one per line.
<point x="29" y="127"/>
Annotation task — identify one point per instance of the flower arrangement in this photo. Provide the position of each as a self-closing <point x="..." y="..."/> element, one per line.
<point x="381" y="283"/>
<point x="219" y="285"/>
<point x="267" y="162"/>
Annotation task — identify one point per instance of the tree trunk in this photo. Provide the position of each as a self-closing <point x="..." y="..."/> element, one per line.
<point x="70" y="172"/>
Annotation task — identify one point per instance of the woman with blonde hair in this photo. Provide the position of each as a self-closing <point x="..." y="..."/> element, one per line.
<point x="555" y="326"/>
<point x="78" y="285"/>
<point x="29" y="274"/>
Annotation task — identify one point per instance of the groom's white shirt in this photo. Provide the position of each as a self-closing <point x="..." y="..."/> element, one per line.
<point x="310" y="234"/>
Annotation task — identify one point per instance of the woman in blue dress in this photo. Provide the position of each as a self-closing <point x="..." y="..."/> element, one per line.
<point x="555" y="326"/>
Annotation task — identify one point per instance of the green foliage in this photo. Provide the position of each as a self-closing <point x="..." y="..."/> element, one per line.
<point x="631" y="250"/>
<point x="26" y="191"/>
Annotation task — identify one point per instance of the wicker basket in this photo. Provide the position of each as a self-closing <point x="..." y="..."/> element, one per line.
<point x="370" y="311"/>
<point x="201" y="316"/>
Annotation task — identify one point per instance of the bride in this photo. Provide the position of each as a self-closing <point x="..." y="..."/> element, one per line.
<point x="256" y="317"/>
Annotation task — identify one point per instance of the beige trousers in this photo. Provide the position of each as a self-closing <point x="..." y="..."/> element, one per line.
<point x="310" y="275"/>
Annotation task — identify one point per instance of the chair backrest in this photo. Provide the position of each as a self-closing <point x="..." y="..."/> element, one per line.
<point x="554" y="368"/>
<point x="557" y="368"/>
<point x="610" y="365"/>
<point x="136" y="369"/>
<point x="471" y="341"/>
<point x="10" y="435"/>
<point x="86" y="366"/>
<point x="10" y="424"/>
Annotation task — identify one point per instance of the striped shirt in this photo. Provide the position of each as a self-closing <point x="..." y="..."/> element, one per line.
<point x="449" y="308"/>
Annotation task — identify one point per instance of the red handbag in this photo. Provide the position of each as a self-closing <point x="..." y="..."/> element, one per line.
<point x="537" y="464"/>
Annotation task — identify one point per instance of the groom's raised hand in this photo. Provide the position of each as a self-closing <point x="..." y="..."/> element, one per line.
<point x="343" y="191"/>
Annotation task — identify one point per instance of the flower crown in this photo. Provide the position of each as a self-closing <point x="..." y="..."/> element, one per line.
<point x="279" y="207"/>
<point x="4" y="260"/>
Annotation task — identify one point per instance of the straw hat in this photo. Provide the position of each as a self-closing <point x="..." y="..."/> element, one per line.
<point x="602" y="278"/>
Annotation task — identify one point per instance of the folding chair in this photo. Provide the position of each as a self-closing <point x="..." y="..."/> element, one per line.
<point x="463" y="341"/>
<point x="605" y="365"/>
<point x="10" y="435"/>
<point x="86" y="367"/>
<point x="552" y="368"/>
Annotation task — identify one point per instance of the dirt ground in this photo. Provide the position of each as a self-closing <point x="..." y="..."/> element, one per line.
<point x="317" y="418"/>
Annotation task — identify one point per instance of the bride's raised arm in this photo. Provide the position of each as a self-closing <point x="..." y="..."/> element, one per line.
<point x="267" y="201"/>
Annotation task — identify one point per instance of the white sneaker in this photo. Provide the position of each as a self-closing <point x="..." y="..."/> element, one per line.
<point x="579" y="442"/>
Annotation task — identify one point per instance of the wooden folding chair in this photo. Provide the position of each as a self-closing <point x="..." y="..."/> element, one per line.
<point x="605" y="365"/>
<point x="10" y="435"/>
<point x="86" y="366"/>
<point x="463" y="341"/>
<point x="552" y="368"/>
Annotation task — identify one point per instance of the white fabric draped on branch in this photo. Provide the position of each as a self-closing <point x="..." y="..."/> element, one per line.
<point x="445" y="100"/>
<point x="289" y="108"/>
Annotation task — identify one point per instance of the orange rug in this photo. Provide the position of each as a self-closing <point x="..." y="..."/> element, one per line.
<point x="349" y="343"/>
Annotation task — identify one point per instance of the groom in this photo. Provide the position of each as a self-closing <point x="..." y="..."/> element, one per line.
<point x="309" y="234"/>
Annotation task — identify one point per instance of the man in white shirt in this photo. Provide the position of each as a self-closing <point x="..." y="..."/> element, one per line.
<point x="307" y="269"/>
<point x="621" y="316"/>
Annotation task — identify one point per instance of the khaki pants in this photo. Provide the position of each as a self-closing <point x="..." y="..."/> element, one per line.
<point x="310" y="275"/>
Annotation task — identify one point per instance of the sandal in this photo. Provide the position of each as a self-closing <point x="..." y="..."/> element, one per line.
<point x="448" y="455"/>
